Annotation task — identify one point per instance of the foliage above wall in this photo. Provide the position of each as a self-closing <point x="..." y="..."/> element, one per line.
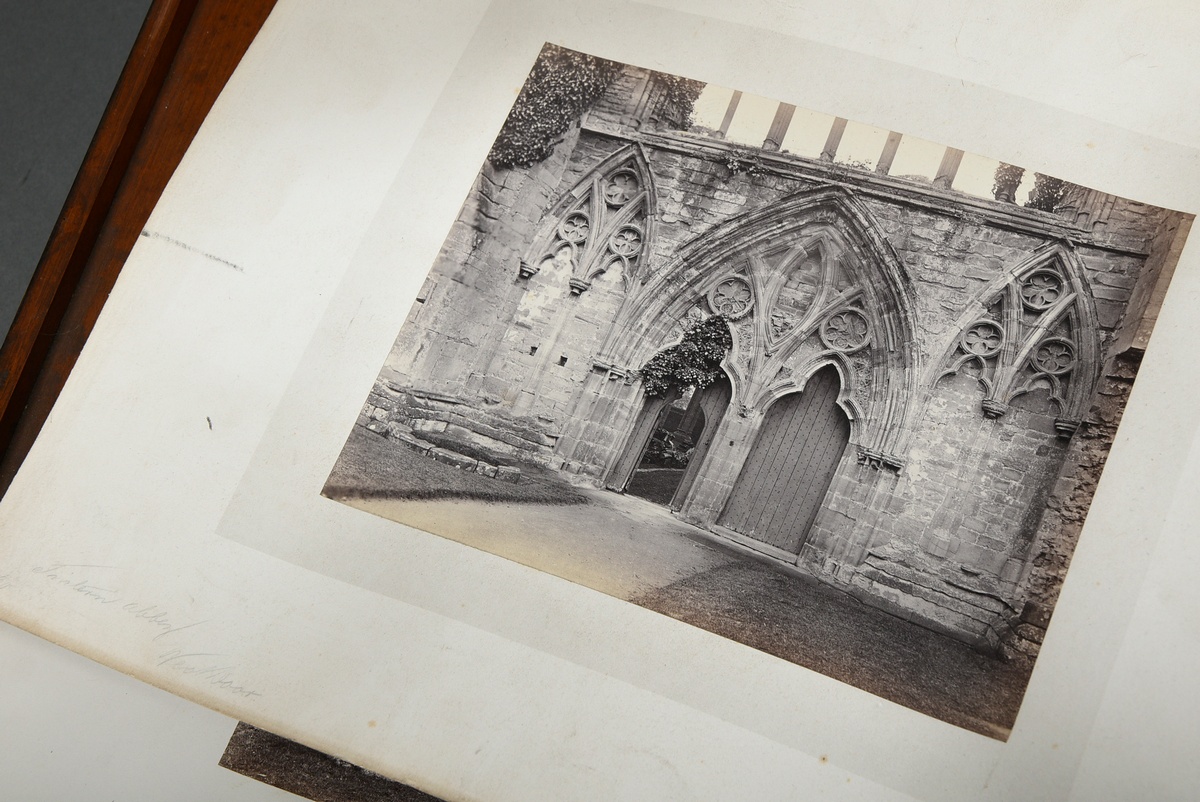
<point x="562" y="85"/>
<point x="694" y="362"/>
<point x="678" y="99"/>
<point x="1007" y="179"/>
<point x="1047" y="192"/>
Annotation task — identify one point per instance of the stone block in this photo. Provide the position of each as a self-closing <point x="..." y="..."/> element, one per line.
<point x="395" y="428"/>
<point x="409" y="441"/>
<point x="380" y="400"/>
<point x="506" y="474"/>
<point x="486" y="470"/>
<point x="453" y="458"/>
<point x="426" y="425"/>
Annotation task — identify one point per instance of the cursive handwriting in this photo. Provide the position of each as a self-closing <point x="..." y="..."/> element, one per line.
<point x="81" y="579"/>
<point x="210" y="671"/>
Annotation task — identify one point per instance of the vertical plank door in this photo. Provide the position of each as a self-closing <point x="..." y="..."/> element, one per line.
<point x="789" y="468"/>
<point x="712" y="403"/>
<point x="643" y="427"/>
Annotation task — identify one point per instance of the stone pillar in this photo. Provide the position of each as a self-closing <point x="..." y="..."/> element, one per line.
<point x="721" y="468"/>
<point x="884" y="165"/>
<point x="829" y="152"/>
<point x="948" y="168"/>
<point x="729" y="112"/>
<point x="779" y="127"/>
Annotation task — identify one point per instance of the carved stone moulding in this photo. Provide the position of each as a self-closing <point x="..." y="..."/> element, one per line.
<point x="993" y="408"/>
<point x="526" y="270"/>
<point x="846" y="331"/>
<point x="732" y="298"/>
<point x="578" y="285"/>
<point x="613" y="372"/>
<point x="1066" y="428"/>
<point x="983" y="338"/>
<point x="879" y="460"/>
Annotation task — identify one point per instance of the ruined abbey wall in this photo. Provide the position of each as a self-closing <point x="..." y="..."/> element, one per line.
<point x="983" y="348"/>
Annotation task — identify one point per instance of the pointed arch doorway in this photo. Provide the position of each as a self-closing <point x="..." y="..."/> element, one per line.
<point x="788" y="471"/>
<point x="668" y="444"/>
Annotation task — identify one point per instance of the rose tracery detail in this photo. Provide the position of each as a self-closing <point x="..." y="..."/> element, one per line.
<point x="626" y="242"/>
<point x="621" y="189"/>
<point x="1055" y="356"/>
<point x="983" y="339"/>
<point x="732" y="298"/>
<point x="575" y="228"/>
<point x="845" y="331"/>
<point x="1042" y="290"/>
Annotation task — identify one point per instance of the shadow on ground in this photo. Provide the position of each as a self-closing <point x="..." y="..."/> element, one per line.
<point x="634" y="550"/>
<point x="835" y="634"/>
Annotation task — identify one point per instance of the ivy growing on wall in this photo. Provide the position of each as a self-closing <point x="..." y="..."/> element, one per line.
<point x="739" y="161"/>
<point x="562" y="85"/>
<point x="694" y="362"/>
<point x="678" y="99"/>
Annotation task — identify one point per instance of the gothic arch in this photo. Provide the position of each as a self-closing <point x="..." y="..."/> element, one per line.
<point x="852" y="307"/>
<point x="604" y="221"/>
<point x="798" y="381"/>
<point x="1034" y="327"/>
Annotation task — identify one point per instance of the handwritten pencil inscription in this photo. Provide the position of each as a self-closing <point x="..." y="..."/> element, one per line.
<point x="97" y="585"/>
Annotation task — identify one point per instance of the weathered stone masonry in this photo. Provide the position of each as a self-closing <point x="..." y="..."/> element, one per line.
<point x="982" y="351"/>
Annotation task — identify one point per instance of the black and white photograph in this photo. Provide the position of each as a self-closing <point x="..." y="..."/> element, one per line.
<point x="522" y="400"/>
<point x="836" y="393"/>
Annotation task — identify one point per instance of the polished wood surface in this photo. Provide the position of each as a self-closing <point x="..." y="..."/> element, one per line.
<point x="183" y="56"/>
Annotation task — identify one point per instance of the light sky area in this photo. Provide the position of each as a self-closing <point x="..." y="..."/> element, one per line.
<point x="860" y="144"/>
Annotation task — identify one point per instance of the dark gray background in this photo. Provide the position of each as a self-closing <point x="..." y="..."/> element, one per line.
<point x="59" y="62"/>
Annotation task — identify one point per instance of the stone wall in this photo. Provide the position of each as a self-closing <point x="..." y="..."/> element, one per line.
<point x="949" y="507"/>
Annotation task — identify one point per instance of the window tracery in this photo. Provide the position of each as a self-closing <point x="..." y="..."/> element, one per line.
<point x="601" y="225"/>
<point x="1039" y="332"/>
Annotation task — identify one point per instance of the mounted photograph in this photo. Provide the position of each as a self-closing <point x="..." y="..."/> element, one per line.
<point x="834" y="392"/>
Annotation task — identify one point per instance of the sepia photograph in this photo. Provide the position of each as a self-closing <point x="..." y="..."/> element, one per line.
<point x="837" y="393"/>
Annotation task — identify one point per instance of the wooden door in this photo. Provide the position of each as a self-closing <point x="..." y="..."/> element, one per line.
<point x="643" y="428"/>
<point x="712" y="403"/>
<point x="787" y="473"/>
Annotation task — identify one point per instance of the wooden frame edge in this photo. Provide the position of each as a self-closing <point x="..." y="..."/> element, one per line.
<point x="182" y="57"/>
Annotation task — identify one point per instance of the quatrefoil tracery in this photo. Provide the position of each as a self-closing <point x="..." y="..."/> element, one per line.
<point x="845" y="331"/>
<point x="575" y="228"/>
<point x="732" y="298"/>
<point x="1036" y="335"/>
<point x="1054" y="355"/>
<point x="602" y="224"/>
<point x="622" y="188"/>
<point x="983" y="339"/>
<point x="1042" y="289"/>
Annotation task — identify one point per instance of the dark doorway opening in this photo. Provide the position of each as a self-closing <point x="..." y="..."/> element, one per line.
<point x="669" y="443"/>
<point x="670" y="450"/>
